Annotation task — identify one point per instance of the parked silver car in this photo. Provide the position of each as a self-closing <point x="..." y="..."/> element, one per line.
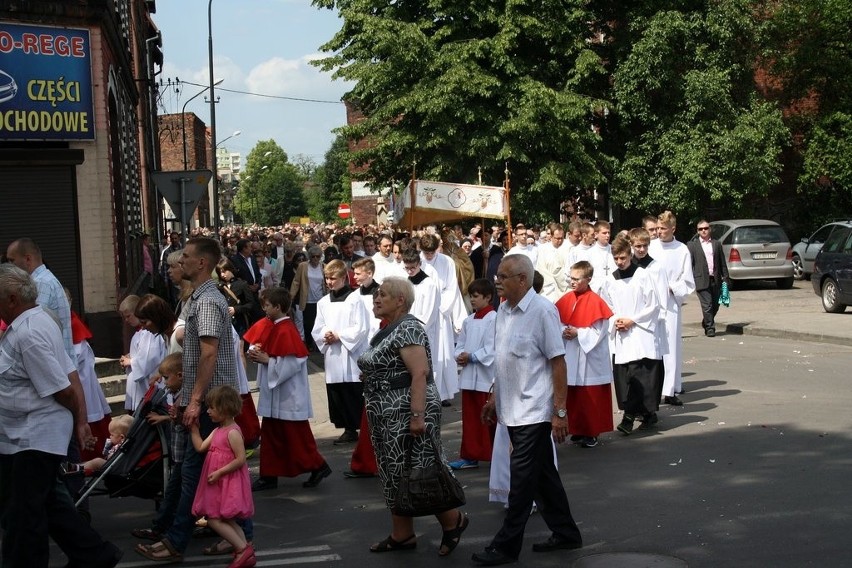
<point x="755" y="249"/>
<point x="805" y="251"/>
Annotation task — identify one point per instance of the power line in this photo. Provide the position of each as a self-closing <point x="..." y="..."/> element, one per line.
<point x="268" y="96"/>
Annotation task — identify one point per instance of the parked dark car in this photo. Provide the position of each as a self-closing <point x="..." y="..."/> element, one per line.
<point x="806" y="251"/>
<point x="755" y="249"/>
<point x="832" y="275"/>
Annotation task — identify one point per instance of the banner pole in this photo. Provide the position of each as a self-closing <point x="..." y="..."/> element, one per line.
<point x="509" y="228"/>
<point x="411" y="216"/>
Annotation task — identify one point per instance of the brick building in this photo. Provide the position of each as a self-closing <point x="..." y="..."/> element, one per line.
<point x="367" y="205"/>
<point x="78" y="145"/>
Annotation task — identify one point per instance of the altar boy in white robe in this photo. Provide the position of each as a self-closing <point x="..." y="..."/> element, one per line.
<point x="427" y="298"/>
<point x="475" y="355"/>
<point x="631" y="296"/>
<point x="444" y="365"/>
<point x="676" y="261"/>
<point x="340" y="332"/>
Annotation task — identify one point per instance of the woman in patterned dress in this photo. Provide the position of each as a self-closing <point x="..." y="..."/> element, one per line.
<point x="403" y="409"/>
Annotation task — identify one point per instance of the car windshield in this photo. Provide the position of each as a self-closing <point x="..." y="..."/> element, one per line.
<point x="759" y="234"/>
<point x="836" y="241"/>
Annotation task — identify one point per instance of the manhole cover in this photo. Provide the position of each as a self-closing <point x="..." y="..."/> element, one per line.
<point x="632" y="559"/>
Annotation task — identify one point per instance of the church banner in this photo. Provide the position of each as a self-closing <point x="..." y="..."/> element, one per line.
<point x="45" y="83"/>
<point x="440" y="202"/>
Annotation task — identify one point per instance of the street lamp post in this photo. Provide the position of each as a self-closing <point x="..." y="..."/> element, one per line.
<point x="212" y="117"/>
<point x="183" y="122"/>
<point x="235" y="134"/>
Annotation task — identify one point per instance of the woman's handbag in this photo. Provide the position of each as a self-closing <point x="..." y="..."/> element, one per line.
<point x="427" y="490"/>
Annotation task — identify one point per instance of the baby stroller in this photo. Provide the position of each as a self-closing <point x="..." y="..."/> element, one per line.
<point x="140" y="465"/>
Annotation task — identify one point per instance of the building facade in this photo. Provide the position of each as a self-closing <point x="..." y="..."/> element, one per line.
<point x="78" y="146"/>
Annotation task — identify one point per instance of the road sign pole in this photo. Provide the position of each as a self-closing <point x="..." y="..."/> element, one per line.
<point x="183" y="226"/>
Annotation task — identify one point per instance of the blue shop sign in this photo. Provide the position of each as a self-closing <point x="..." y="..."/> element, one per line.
<point x="45" y="83"/>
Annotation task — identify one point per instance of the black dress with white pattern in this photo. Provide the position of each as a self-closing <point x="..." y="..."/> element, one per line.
<point x="389" y="410"/>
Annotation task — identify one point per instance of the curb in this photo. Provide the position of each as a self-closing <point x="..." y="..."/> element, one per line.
<point x="746" y="329"/>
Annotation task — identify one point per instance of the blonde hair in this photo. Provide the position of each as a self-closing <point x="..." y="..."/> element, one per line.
<point x="668" y="219"/>
<point x="121" y="424"/>
<point x="129" y="303"/>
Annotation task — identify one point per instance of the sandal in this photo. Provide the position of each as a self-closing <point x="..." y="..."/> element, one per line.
<point x="450" y="539"/>
<point x="161" y="551"/>
<point x="244" y="558"/>
<point x="391" y="545"/>
<point x="220" y="548"/>
<point x="147" y="534"/>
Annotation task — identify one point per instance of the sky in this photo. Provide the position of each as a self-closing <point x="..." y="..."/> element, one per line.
<point x="259" y="46"/>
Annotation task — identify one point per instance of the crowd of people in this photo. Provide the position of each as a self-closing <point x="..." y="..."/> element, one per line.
<point x="535" y="327"/>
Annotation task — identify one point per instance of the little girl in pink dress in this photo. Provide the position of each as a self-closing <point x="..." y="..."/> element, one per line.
<point x="224" y="491"/>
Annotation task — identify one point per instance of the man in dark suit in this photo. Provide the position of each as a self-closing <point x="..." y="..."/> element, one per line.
<point x="246" y="265"/>
<point x="709" y="270"/>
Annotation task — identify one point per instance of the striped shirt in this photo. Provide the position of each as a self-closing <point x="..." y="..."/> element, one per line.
<point x="52" y="298"/>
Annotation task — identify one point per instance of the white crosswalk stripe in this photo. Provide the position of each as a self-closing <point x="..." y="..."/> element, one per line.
<point x="265" y="557"/>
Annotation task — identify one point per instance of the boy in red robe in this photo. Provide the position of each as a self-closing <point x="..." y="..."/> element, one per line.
<point x="585" y="317"/>
<point x="288" y="447"/>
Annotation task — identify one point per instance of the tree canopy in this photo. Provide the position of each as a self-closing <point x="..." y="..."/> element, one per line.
<point x="331" y="182"/>
<point x="700" y="106"/>
<point x="455" y="86"/>
<point x="270" y="190"/>
<point x="695" y="134"/>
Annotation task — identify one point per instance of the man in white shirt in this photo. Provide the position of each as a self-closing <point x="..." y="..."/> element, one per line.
<point x="41" y="405"/>
<point x="26" y="255"/>
<point x="529" y="398"/>
<point x="677" y="266"/>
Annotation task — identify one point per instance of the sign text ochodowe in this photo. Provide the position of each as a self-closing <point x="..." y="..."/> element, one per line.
<point x="45" y="83"/>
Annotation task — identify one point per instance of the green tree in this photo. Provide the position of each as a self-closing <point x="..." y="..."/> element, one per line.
<point x="691" y="130"/>
<point x="455" y="85"/>
<point x="270" y="187"/>
<point x="332" y="183"/>
<point x="807" y="52"/>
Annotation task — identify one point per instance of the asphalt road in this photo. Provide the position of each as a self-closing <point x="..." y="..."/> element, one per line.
<point x="752" y="471"/>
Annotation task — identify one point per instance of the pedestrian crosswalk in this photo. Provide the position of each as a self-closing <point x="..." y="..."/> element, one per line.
<point x="297" y="555"/>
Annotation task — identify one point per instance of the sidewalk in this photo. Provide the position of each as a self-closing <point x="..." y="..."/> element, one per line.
<point x="762" y="309"/>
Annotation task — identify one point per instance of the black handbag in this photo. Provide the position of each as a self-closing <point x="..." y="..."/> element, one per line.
<point x="427" y="490"/>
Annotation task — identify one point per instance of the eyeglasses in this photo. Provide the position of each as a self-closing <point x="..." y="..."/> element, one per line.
<point x="412" y="268"/>
<point x="703" y="228"/>
<point x="501" y="277"/>
<point x="316" y="256"/>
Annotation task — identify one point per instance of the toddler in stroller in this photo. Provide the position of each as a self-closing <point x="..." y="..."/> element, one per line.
<point x="139" y="465"/>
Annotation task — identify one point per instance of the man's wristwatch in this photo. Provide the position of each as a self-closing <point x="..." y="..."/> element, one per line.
<point x="561" y="413"/>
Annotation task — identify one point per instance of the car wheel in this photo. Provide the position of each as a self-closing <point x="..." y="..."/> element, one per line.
<point x="798" y="268"/>
<point x="784" y="283"/>
<point x="829" y="297"/>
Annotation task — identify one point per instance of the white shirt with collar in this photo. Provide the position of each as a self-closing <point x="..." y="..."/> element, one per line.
<point x="33" y="367"/>
<point x="527" y="337"/>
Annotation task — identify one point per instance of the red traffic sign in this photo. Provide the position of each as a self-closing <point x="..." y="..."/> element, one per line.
<point x="343" y="211"/>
